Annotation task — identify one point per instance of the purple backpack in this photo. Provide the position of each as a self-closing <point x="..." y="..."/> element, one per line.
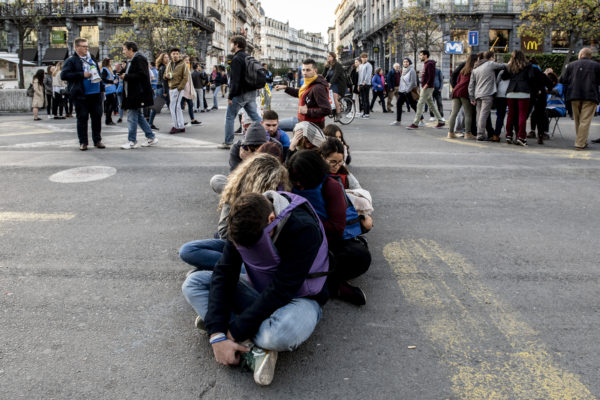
<point x="261" y="259"/>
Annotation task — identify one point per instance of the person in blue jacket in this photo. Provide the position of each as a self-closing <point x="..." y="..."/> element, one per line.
<point x="378" y="85"/>
<point x="270" y="122"/>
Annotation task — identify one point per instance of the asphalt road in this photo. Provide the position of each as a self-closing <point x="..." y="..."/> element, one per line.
<point x="484" y="281"/>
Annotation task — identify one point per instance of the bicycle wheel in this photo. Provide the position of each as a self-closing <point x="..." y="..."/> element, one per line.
<point x="347" y="111"/>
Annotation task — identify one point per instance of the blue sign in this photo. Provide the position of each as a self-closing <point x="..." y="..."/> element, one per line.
<point x="473" y="38"/>
<point x="454" y="47"/>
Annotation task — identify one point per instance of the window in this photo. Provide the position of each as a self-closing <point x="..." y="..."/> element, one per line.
<point x="499" y="40"/>
<point x="560" y="40"/>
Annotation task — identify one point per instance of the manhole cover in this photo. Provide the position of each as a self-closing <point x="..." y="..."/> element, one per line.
<point x="83" y="174"/>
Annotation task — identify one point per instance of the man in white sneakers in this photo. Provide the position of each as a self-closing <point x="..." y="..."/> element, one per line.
<point x="137" y="93"/>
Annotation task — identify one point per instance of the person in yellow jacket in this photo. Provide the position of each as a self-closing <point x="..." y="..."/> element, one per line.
<point x="177" y="76"/>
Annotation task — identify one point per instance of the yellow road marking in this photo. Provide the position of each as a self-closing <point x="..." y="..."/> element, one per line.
<point x="26" y="217"/>
<point x="439" y="283"/>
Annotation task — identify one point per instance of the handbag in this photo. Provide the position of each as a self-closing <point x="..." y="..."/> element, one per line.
<point x="415" y="94"/>
<point x="30" y="90"/>
<point x="213" y="87"/>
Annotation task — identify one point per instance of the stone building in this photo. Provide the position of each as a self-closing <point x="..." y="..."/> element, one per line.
<point x="286" y="47"/>
<point x="97" y="21"/>
<point x="495" y="21"/>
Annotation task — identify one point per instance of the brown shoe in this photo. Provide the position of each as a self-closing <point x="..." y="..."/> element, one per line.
<point x="100" y="145"/>
<point x="495" y="138"/>
<point x="83" y="147"/>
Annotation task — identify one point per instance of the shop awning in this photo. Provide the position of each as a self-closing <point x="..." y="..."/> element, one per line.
<point x="13" y="58"/>
<point x="30" y="55"/>
<point x="55" y="54"/>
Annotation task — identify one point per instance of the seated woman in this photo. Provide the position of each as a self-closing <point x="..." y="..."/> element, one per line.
<point x="332" y="130"/>
<point x="332" y="151"/>
<point x="307" y="136"/>
<point x="257" y="174"/>
<point x="309" y="174"/>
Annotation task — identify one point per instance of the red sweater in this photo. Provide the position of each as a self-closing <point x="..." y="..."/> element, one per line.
<point x="335" y="203"/>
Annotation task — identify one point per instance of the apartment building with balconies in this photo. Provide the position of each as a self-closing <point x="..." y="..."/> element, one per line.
<point x="98" y="21"/>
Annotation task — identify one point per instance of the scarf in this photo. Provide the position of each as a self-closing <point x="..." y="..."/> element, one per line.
<point x="307" y="83"/>
<point x="405" y="70"/>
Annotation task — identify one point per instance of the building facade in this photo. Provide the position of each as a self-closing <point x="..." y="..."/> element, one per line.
<point x="344" y="30"/>
<point x="97" y="21"/>
<point x="286" y="47"/>
<point x="495" y="21"/>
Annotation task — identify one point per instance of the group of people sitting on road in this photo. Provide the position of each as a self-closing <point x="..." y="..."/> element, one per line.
<point x="289" y="236"/>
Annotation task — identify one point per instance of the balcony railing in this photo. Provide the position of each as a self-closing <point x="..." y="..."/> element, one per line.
<point x="241" y="15"/>
<point x="211" y="12"/>
<point x="114" y="9"/>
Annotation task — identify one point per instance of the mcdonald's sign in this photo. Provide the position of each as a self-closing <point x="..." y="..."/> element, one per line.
<point x="531" y="45"/>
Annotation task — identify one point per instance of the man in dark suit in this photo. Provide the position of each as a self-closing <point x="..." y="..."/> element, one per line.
<point x="137" y="93"/>
<point x="85" y="89"/>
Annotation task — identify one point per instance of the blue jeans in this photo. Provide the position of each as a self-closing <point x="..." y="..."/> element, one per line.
<point x="202" y="254"/>
<point x="135" y="117"/>
<point x="287" y="124"/>
<point x="286" y="329"/>
<point x="246" y="101"/>
<point x="215" y="94"/>
<point x="190" y="106"/>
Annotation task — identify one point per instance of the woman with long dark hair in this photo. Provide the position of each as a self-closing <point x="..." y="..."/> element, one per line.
<point x="310" y="177"/>
<point x="518" y="95"/>
<point x="460" y="99"/>
<point x="335" y="75"/>
<point x="38" y="93"/>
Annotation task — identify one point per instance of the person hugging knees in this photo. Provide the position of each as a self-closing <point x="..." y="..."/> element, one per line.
<point x="310" y="177"/>
<point x="257" y="174"/>
<point x="276" y="305"/>
<point x="332" y="151"/>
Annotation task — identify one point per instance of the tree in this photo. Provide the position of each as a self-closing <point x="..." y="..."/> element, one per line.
<point x="578" y="18"/>
<point x="156" y="28"/>
<point x="416" y="29"/>
<point x="26" y="17"/>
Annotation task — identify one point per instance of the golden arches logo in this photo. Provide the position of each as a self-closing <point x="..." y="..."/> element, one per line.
<point x="531" y="45"/>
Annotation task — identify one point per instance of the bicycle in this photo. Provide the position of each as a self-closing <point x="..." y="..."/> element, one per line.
<point x="347" y="109"/>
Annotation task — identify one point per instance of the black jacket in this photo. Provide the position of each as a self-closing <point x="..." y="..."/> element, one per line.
<point x="338" y="77"/>
<point x="237" y="83"/>
<point x="72" y="72"/>
<point x="161" y="78"/>
<point x="582" y="78"/>
<point x="293" y="269"/>
<point x="137" y="90"/>
<point x="521" y="82"/>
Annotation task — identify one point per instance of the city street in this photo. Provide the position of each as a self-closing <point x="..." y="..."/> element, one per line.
<point x="484" y="281"/>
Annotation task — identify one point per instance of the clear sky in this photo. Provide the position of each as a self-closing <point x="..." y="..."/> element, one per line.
<point x="310" y="15"/>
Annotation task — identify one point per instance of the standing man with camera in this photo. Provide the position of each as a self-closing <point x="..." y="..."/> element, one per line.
<point x="85" y="90"/>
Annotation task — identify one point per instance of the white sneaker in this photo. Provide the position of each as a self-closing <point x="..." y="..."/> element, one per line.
<point x="431" y="119"/>
<point x="264" y="365"/>
<point x="129" y="145"/>
<point x="443" y="119"/>
<point x="395" y="123"/>
<point x="422" y="123"/>
<point x="150" y="142"/>
<point x="49" y="116"/>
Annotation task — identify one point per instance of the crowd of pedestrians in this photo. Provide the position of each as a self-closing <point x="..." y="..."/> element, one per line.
<point x="519" y="91"/>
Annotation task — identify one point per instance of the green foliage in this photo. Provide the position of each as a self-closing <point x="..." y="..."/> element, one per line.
<point x="578" y="18"/>
<point x="26" y="17"/>
<point x="156" y="29"/>
<point x="554" y="61"/>
<point x="415" y="29"/>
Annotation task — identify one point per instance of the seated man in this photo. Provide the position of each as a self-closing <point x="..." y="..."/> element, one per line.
<point x="255" y="136"/>
<point x="270" y="122"/>
<point x="277" y="304"/>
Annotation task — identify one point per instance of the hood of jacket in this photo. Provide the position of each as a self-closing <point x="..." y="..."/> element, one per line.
<point x="429" y="62"/>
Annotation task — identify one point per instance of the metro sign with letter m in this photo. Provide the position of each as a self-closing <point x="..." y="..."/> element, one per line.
<point x="454" y="47"/>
